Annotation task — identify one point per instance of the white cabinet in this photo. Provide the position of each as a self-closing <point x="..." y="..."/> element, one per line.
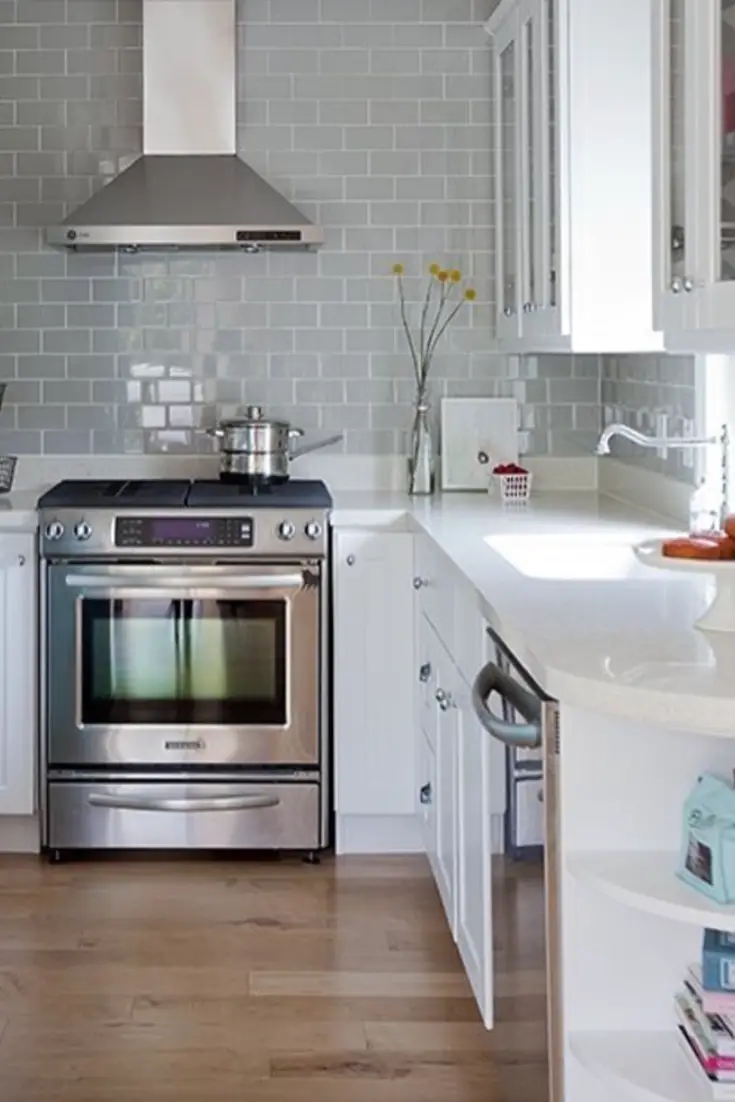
<point x="572" y="95"/>
<point x="456" y="764"/>
<point x="474" y="851"/>
<point x="694" y="165"/>
<point x="444" y="856"/>
<point x="18" y="673"/>
<point x="375" y="676"/>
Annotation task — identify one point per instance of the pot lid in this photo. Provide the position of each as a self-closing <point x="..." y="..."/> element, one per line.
<point x="253" y="417"/>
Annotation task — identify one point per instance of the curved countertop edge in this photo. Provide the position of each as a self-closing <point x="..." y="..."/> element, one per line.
<point x="661" y="671"/>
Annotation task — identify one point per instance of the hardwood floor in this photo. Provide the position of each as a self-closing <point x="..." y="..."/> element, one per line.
<point x="260" y="982"/>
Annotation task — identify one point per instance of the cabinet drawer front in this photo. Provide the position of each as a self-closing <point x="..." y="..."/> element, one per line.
<point x="434" y="579"/>
<point x="126" y="815"/>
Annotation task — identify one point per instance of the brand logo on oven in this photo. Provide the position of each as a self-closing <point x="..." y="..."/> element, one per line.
<point x="184" y="744"/>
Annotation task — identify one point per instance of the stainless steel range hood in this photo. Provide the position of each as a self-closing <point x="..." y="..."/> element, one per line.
<point x="189" y="189"/>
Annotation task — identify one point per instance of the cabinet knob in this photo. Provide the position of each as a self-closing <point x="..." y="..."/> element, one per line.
<point x="350" y="560"/>
<point x="425" y="794"/>
<point x="21" y="560"/>
<point x="508" y="311"/>
<point x="420" y="583"/>
<point x="688" y="285"/>
<point x="425" y="672"/>
<point x="677" y="286"/>
<point x="440" y="696"/>
<point x="446" y="703"/>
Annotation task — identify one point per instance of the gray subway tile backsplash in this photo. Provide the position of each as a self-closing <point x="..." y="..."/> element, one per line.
<point x="372" y="115"/>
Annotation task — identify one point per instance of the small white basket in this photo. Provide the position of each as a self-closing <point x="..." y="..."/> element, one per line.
<point x="514" y="489"/>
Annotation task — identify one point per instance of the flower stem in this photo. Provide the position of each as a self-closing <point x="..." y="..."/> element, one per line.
<point x="407" y="328"/>
<point x="450" y="318"/>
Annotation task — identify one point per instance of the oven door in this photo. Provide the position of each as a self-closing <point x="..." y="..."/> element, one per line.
<point x="183" y="665"/>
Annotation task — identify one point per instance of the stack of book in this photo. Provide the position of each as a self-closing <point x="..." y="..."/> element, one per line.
<point x="706" y="1021"/>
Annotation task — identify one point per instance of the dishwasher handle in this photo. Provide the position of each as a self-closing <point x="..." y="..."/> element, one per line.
<point x="491" y="679"/>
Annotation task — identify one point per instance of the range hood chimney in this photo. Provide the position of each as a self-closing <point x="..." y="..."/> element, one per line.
<point x="189" y="189"/>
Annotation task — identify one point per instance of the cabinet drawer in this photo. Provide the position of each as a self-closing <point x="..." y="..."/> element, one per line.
<point x="129" y="815"/>
<point x="435" y="586"/>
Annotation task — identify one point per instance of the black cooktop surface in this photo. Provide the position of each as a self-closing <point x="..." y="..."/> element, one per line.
<point x="182" y="494"/>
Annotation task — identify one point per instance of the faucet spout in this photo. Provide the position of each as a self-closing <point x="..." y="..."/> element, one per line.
<point x="722" y="440"/>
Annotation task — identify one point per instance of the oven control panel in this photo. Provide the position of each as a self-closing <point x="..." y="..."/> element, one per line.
<point x="188" y="531"/>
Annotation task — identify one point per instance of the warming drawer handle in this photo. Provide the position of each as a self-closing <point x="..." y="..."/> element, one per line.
<point x="175" y="803"/>
<point x="491" y="679"/>
<point x="184" y="581"/>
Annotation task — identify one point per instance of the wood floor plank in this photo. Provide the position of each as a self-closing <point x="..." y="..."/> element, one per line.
<point x="184" y="981"/>
<point x="384" y="984"/>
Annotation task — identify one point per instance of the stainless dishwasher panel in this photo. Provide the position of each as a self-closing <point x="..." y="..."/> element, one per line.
<point x="183" y="815"/>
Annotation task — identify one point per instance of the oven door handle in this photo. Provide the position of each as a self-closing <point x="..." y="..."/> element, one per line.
<point x="184" y="581"/>
<point x="176" y="803"/>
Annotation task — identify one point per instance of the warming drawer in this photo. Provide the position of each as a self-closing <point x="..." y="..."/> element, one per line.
<point x="183" y="815"/>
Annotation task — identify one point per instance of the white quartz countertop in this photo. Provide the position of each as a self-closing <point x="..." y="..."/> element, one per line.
<point x="18" y="511"/>
<point x="596" y="628"/>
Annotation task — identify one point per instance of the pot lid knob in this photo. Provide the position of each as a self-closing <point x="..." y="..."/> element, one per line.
<point x="254" y="413"/>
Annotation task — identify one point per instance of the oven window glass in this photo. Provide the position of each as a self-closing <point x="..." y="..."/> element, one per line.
<point x="183" y="662"/>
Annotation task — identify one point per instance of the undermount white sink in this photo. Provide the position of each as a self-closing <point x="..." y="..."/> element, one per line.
<point x="583" y="557"/>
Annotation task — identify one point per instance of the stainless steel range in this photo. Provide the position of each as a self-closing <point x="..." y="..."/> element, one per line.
<point x="185" y="674"/>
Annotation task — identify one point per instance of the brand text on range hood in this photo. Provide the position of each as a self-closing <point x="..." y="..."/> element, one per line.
<point x="189" y="189"/>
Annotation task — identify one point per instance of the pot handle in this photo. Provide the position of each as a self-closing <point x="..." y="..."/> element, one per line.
<point x="313" y="446"/>
<point x="214" y="431"/>
<point x="294" y="433"/>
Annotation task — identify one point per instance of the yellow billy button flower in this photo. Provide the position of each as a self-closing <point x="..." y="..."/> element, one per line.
<point x="443" y="276"/>
<point x="470" y="294"/>
<point x="455" y="276"/>
<point x="434" y="269"/>
<point x="398" y="269"/>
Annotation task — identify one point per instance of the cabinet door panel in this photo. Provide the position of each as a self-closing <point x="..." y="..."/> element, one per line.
<point x="374" y="674"/>
<point x="676" y="217"/>
<point x="428" y="648"/>
<point x="18" y="666"/>
<point x="474" y="855"/>
<point x="427" y="798"/>
<point x="445" y="863"/>
<point x="712" y="150"/>
<point x="508" y="156"/>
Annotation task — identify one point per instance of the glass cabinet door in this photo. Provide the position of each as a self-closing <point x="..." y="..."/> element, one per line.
<point x="541" y="223"/>
<point x="532" y="228"/>
<point x="715" y="157"/>
<point x="508" y="168"/>
<point x="676" y="226"/>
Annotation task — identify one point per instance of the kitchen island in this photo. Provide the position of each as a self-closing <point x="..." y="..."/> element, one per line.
<point x="646" y="703"/>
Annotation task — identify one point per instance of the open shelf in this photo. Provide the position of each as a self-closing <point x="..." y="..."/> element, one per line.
<point x="648" y="882"/>
<point x="649" y="1067"/>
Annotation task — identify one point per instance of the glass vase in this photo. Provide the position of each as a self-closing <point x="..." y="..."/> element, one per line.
<point x="421" y="456"/>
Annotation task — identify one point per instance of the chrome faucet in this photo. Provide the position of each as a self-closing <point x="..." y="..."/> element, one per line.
<point x="722" y="441"/>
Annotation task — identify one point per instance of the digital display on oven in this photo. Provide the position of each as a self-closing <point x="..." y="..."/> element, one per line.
<point x="175" y="528"/>
<point x="186" y="531"/>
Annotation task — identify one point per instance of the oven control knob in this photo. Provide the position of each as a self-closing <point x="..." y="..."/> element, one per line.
<point x="54" y="530"/>
<point x="82" y="530"/>
<point x="286" y="530"/>
<point x="313" y="530"/>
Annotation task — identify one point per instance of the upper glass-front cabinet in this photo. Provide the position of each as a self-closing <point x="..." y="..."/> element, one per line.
<point x="694" y="193"/>
<point x="714" y="153"/>
<point x="674" y="56"/>
<point x="574" y="256"/>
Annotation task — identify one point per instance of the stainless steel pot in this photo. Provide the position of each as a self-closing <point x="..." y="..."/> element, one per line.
<point x="256" y="449"/>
